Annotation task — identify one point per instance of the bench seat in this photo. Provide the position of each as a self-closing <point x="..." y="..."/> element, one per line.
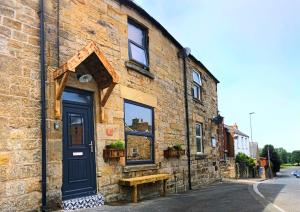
<point x="135" y="181"/>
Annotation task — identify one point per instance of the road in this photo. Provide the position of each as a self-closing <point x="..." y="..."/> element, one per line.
<point x="283" y="191"/>
<point x="229" y="197"/>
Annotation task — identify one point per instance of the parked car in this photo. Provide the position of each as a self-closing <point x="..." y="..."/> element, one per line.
<point x="294" y="173"/>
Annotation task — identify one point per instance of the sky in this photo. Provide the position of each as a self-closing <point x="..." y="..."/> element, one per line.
<point x="252" y="48"/>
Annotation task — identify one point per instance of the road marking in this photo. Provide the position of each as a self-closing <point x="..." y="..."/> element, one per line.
<point x="255" y="189"/>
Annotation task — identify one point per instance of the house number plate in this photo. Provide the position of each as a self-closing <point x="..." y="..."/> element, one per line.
<point x="77" y="153"/>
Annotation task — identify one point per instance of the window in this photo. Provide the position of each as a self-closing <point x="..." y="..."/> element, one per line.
<point x="199" y="138"/>
<point x="197" y="83"/>
<point x="213" y="142"/>
<point x="137" y="44"/>
<point x="139" y="136"/>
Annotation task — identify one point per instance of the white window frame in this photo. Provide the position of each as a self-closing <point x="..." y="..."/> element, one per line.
<point x="197" y="84"/>
<point x="199" y="136"/>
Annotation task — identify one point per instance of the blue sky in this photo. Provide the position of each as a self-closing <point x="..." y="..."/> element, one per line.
<point x="253" y="48"/>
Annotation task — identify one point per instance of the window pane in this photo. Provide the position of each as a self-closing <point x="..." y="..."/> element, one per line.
<point x="196" y="77"/>
<point x="196" y="92"/>
<point x="75" y="129"/>
<point x="135" y="34"/>
<point x="138" y="118"/>
<point x="138" y="54"/>
<point x="198" y="129"/>
<point x="76" y="97"/>
<point x="138" y="148"/>
<point x="199" y="144"/>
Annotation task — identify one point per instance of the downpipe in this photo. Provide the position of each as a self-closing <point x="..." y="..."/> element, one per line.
<point x="43" y="103"/>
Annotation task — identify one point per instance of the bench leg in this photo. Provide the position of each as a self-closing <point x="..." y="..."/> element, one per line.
<point x="134" y="194"/>
<point x="164" y="188"/>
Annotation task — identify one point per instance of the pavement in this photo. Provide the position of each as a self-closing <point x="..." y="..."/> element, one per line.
<point x="223" y="196"/>
<point x="282" y="192"/>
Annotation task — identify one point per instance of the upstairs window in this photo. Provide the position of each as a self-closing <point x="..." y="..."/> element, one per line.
<point x="197" y="83"/>
<point x="137" y="44"/>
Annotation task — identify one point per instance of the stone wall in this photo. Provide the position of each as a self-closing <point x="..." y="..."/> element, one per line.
<point x="20" y="149"/>
<point x="104" y="22"/>
<point x="228" y="168"/>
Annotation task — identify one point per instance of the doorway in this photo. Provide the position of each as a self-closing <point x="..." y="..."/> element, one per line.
<point x="79" y="169"/>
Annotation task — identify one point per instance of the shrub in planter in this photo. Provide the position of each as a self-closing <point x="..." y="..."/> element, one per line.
<point x="114" y="150"/>
<point x="174" y="151"/>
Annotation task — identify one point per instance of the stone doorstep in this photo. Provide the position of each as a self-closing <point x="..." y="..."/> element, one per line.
<point x="83" y="202"/>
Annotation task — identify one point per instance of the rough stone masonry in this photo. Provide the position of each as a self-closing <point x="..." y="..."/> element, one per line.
<point x="104" y="22"/>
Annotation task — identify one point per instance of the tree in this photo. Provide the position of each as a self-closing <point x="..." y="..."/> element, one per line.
<point x="296" y="156"/>
<point x="274" y="157"/>
<point x="283" y="155"/>
<point x="290" y="157"/>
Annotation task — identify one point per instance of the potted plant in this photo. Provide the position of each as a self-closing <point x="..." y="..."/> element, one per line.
<point x="174" y="151"/>
<point x="114" y="150"/>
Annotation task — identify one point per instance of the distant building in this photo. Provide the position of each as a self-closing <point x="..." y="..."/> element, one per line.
<point x="241" y="140"/>
<point x="254" y="151"/>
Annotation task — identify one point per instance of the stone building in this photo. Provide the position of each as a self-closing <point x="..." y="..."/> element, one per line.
<point x="227" y="155"/>
<point x="105" y="63"/>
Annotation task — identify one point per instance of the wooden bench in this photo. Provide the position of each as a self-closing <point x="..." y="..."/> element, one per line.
<point x="135" y="181"/>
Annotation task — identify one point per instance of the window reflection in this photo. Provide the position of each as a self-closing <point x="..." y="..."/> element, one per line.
<point x="76" y="97"/>
<point x="135" y="34"/>
<point x="139" y="133"/>
<point x="138" y="148"/>
<point x="138" y="54"/>
<point x="138" y="118"/>
<point x="76" y="129"/>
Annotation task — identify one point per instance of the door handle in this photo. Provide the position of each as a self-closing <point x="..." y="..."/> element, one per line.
<point x="91" y="145"/>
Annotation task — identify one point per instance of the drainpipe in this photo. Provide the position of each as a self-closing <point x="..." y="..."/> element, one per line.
<point x="184" y="53"/>
<point x="43" y="102"/>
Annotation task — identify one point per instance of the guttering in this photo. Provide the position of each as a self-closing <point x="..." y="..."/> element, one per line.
<point x="184" y="54"/>
<point x="43" y="102"/>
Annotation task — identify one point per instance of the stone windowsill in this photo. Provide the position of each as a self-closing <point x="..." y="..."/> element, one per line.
<point x="135" y="168"/>
<point x="198" y="101"/>
<point x="139" y="68"/>
<point x="200" y="156"/>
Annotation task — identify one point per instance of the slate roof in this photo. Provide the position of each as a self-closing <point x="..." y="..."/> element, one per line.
<point x="236" y="131"/>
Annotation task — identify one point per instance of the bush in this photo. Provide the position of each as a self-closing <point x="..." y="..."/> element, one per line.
<point x="243" y="158"/>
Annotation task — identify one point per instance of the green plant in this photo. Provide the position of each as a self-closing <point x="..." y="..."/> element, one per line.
<point x="243" y="158"/>
<point x="178" y="147"/>
<point x="118" y="144"/>
<point x="171" y="148"/>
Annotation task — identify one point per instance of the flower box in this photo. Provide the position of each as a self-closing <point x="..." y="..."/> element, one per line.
<point x="113" y="153"/>
<point x="173" y="153"/>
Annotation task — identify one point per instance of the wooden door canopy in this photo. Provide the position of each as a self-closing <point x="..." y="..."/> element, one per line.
<point x="88" y="59"/>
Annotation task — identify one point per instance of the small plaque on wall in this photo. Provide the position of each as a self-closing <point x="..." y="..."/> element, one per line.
<point x="109" y="131"/>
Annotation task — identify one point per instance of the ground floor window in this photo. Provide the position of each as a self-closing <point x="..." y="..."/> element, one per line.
<point x="199" y="138"/>
<point x="139" y="133"/>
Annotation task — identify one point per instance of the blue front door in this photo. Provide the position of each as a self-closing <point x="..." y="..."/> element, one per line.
<point x="79" y="175"/>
